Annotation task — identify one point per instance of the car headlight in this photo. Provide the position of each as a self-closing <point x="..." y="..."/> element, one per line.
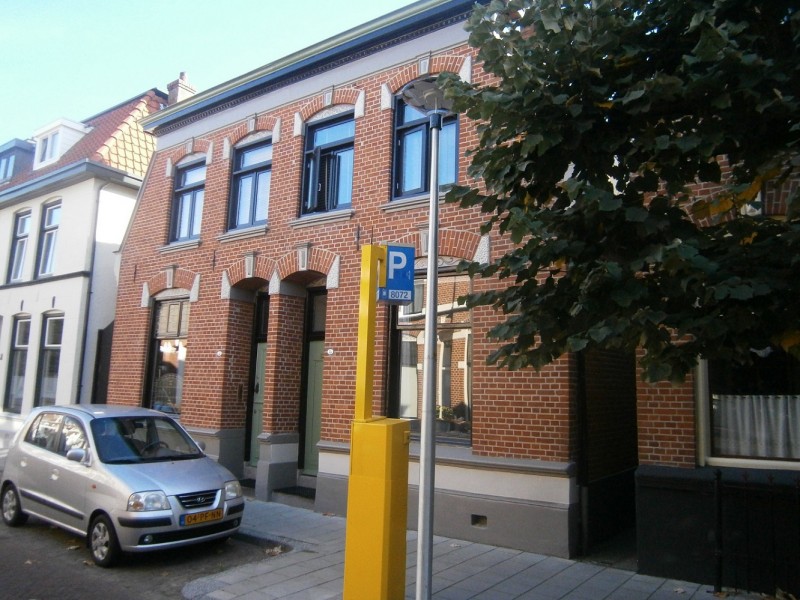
<point x="144" y="501"/>
<point x="233" y="489"/>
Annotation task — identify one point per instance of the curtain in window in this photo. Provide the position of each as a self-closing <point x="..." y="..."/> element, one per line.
<point x="757" y="426"/>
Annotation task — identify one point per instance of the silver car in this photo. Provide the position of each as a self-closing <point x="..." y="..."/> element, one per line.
<point x="129" y="479"/>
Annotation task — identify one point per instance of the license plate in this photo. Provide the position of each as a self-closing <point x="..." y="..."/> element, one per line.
<point x="202" y="517"/>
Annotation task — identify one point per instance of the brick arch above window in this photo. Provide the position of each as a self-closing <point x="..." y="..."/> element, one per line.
<point x="454" y="243"/>
<point x="255" y="125"/>
<point x="250" y="266"/>
<point x="422" y="68"/>
<point x="192" y="149"/>
<point x="329" y="102"/>
<point x="171" y="279"/>
<point x="309" y="258"/>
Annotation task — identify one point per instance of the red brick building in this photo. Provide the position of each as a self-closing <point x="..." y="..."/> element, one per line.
<point x="239" y="288"/>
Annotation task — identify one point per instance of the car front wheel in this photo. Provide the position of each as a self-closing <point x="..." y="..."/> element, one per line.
<point x="103" y="542"/>
<point x="12" y="512"/>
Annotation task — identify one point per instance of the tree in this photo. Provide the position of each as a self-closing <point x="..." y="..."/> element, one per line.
<point x="626" y="148"/>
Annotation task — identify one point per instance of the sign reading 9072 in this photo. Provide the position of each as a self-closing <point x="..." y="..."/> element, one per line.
<point x="399" y="287"/>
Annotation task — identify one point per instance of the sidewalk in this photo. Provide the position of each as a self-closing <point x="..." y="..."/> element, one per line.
<point x="313" y="568"/>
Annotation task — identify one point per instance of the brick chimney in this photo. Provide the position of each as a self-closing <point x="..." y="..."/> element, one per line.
<point x="179" y="90"/>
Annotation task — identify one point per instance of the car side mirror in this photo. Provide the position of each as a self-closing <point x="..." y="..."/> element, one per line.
<point x="202" y="445"/>
<point x="76" y="454"/>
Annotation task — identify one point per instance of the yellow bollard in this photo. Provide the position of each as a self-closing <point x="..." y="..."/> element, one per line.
<point x="375" y="543"/>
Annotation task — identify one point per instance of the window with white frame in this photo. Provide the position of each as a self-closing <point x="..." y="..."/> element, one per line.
<point x="51" y="218"/>
<point x="251" y="182"/>
<point x="47" y="147"/>
<point x="753" y="411"/>
<point x="19" y="246"/>
<point x="49" y="359"/>
<point x="187" y="205"/>
<point x="18" y="358"/>
<point x="6" y="166"/>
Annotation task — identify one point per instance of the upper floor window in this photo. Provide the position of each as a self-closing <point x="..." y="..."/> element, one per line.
<point x="251" y="181"/>
<point x="47" y="240"/>
<point x="6" y="167"/>
<point x="48" y="147"/>
<point x="19" y="244"/>
<point x="187" y="207"/>
<point x="412" y="151"/>
<point x="328" y="179"/>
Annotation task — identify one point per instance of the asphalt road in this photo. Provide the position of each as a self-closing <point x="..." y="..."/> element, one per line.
<point x="40" y="562"/>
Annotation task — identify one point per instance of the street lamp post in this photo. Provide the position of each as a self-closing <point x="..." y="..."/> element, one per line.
<point x="427" y="97"/>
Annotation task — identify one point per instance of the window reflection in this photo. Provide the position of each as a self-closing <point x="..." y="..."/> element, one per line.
<point x="453" y="357"/>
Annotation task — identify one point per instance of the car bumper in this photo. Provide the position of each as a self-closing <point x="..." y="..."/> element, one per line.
<point x="143" y="532"/>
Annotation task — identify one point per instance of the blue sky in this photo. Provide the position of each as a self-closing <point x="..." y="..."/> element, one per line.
<point x="75" y="58"/>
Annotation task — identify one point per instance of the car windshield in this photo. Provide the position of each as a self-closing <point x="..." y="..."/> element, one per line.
<point x="124" y="440"/>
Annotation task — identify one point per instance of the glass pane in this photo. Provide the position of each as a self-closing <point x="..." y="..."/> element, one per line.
<point x="48" y="253"/>
<point x="344" y="177"/>
<point x="410" y="114"/>
<point x="244" y="198"/>
<point x="197" y="212"/>
<point x="16" y="385"/>
<point x="412" y="146"/>
<point x="256" y="155"/>
<point x="410" y="375"/>
<point x="23" y="333"/>
<point x="192" y="175"/>
<point x="72" y="435"/>
<point x="19" y="259"/>
<point x="52" y="216"/>
<point x="23" y="225"/>
<point x="48" y="374"/>
<point x="184" y="215"/>
<point x="334" y="133"/>
<point x="168" y="376"/>
<point x="55" y="329"/>
<point x="262" y="196"/>
<point x="447" y="154"/>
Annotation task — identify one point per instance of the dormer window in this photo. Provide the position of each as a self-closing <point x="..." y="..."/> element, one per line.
<point x="48" y="148"/>
<point x="55" y="139"/>
<point x="6" y="167"/>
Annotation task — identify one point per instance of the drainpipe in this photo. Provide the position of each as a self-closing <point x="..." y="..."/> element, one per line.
<point x="87" y="308"/>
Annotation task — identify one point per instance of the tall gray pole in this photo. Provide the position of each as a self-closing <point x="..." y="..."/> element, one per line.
<point x="427" y="442"/>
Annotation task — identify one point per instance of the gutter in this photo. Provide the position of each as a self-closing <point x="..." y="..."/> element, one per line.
<point x="382" y="29"/>
<point x="71" y="174"/>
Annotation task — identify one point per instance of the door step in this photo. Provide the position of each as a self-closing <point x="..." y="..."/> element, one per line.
<point x="297" y="496"/>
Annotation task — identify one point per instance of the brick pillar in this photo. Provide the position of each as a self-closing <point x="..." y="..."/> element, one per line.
<point x="277" y="463"/>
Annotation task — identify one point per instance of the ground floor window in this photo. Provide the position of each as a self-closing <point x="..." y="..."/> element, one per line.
<point x="755" y="410"/>
<point x="454" y="360"/>
<point x="168" y="354"/>
<point x="18" y="358"/>
<point x="49" y="358"/>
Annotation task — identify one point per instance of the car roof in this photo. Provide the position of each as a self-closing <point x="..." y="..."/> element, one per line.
<point x="95" y="411"/>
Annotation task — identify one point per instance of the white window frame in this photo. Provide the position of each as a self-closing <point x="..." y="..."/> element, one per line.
<point x="703" y="433"/>
<point x="19" y="247"/>
<point x="45" y="263"/>
<point x="6" y="167"/>
<point x="47" y="148"/>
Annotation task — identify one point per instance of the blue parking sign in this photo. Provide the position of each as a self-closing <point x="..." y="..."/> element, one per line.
<point x="399" y="276"/>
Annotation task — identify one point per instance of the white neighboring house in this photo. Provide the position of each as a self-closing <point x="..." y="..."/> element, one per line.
<point x="66" y="197"/>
